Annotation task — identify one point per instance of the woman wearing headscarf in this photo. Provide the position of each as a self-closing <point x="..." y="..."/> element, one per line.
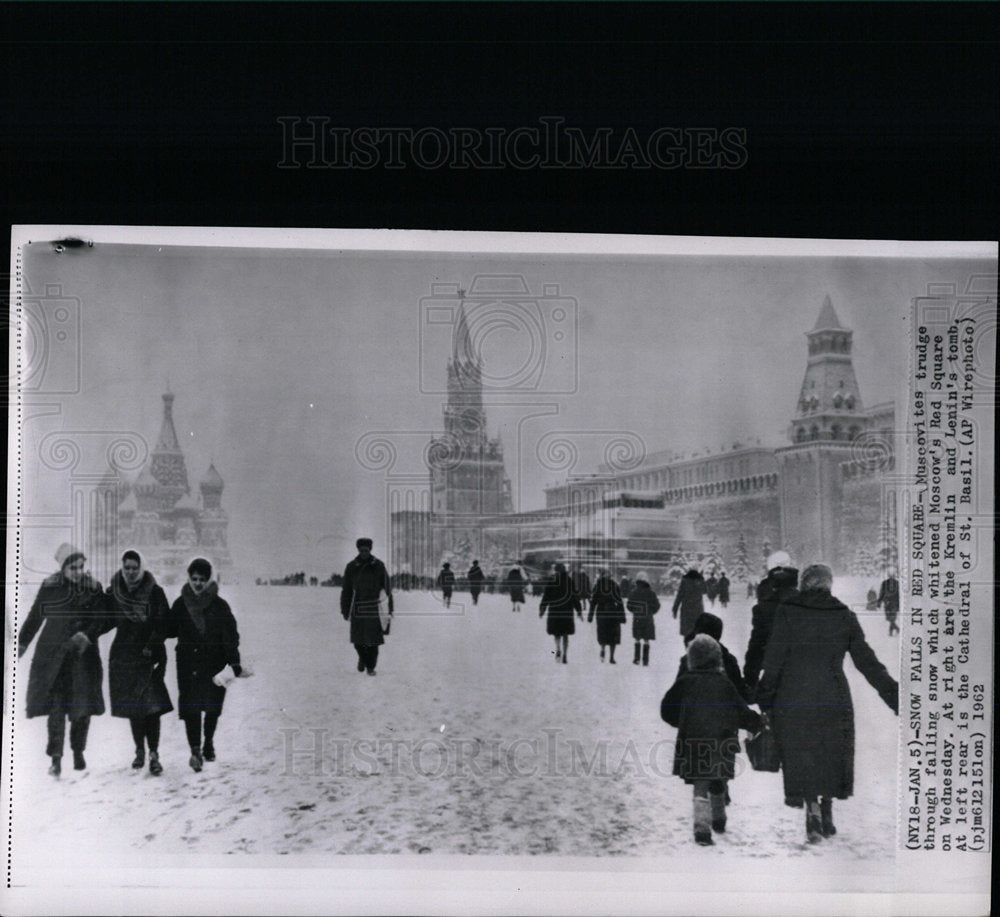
<point x="207" y="641"/>
<point x="138" y="660"/>
<point x="606" y="604"/>
<point x="64" y="681"/>
<point x="806" y="692"/>
<point x="560" y="600"/>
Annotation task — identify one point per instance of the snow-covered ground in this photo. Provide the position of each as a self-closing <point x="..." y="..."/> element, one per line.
<point x="471" y="739"/>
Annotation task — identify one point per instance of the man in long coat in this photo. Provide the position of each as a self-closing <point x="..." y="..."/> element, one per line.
<point x="365" y="580"/>
<point x="689" y="600"/>
<point x="475" y="577"/>
<point x="66" y="673"/>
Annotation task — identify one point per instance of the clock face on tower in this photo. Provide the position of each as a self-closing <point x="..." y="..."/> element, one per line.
<point x="467" y="421"/>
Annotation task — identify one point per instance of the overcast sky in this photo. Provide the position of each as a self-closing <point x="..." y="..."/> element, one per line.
<point x="282" y="362"/>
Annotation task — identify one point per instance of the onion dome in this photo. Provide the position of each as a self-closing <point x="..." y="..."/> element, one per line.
<point x="146" y="484"/>
<point x="212" y="481"/>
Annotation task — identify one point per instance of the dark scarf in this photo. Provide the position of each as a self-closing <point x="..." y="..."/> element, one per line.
<point x="196" y="604"/>
<point x="132" y="601"/>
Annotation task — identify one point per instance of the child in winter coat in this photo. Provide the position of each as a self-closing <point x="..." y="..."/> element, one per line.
<point x="707" y="623"/>
<point x="705" y="707"/>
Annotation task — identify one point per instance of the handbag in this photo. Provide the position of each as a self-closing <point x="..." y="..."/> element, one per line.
<point x="384" y="617"/>
<point x="762" y="748"/>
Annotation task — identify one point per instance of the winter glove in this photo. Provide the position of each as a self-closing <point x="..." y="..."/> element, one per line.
<point x="237" y="670"/>
<point x="80" y="641"/>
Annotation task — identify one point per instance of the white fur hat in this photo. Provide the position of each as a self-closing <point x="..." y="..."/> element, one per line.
<point x="67" y="553"/>
<point x="779" y="559"/>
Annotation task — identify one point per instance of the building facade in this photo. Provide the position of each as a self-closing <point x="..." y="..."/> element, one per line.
<point x="825" y="496"/>
<point x="159" y="516"/>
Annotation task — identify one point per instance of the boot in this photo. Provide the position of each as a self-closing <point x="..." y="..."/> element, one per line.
<point x="79" y="764"/>
<point x="638" y="650"/>
<point x="814" y="823"/>
<point x="55" y="768"/>
<point x="702" y="821"/>
<point x="645" y="654"/>
<point x="611" y="661"/>
<point x="155" y="768"/>
<point x="195" y="759"/>
<point x="826" y="816"/>
<point x="718" y="802"/>
<point x="140" y="758"/>
<point x="602" y="654"/>
<point x="208" y="752"/>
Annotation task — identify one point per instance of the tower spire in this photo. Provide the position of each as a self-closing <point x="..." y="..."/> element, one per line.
<point x="827" y="320"/>
<point x="167" y="460"/>
<point x="167" y="441"/>
<point x="463" y="352"/>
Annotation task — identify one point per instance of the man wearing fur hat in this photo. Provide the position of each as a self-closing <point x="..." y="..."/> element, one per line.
<point x="705" y="707"/>
<point x="64" y="681"/>
<point x="781" y="582"/>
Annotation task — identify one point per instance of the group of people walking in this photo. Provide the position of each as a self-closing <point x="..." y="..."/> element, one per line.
<point x="794" y="673"/>
<point x="65" y="681"/>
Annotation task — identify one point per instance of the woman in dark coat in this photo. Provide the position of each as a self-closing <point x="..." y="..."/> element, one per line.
<point x="207" y="641"/>
<point x="606" y="604"/>
<point x="64" y="681"/>
<point x="643" y="603"/>
<point x="781" y="582"/>
<point x="689" y="600"/>
<point x="515" y="588"/>
<point x="138" y="609"/>
<point x="707" y="710"/>
<point x="561" y="601"/>
<point x="805" y="689"/>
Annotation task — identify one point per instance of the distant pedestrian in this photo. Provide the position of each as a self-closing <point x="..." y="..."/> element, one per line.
<point x="723" y="589"/>
<point x="207" y="642"/>
<point x="625" y="586"/>
<point x="689" y="600"/>
<point x="476" y="577"/>
<point x="606" y="604"/>
<point x="64" y="681"/>
<point x="712" y="589"/>
<point x="707" y="711"/>
<point x="366" y="586"/>
<point x="515" y="588"/>
<point x="581" y="583"/>
<point x="781" y="582"/>
<point x="446" y="583"/>
<point x="643" y="604"/>
<point x="561" y="602"/>
<point x="138" y="612"/>
<point x="806" y="691"/>
<point x="888" y="598"/>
